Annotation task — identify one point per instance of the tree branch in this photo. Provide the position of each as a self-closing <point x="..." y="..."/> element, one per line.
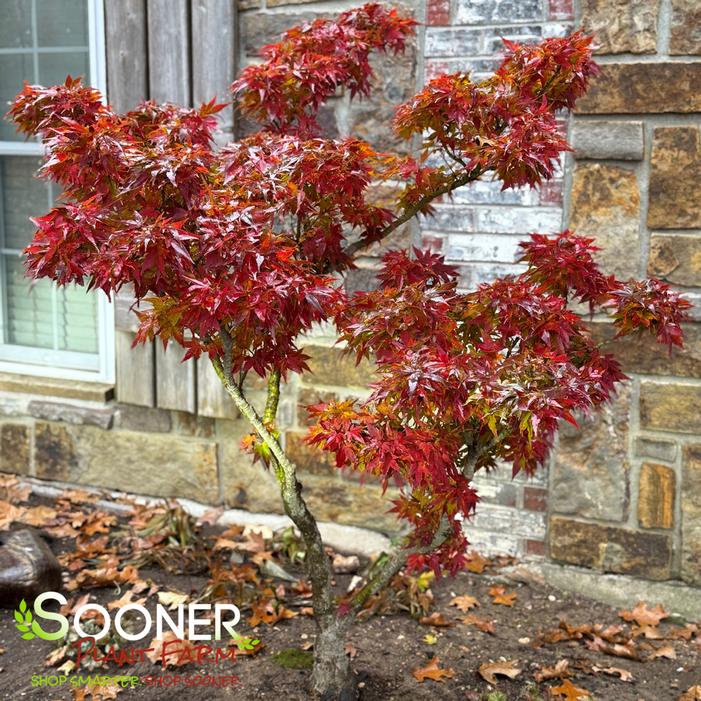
<point x="394" y="564"/>
<point x="290" y="489"/>
<point x="467" y="177"/>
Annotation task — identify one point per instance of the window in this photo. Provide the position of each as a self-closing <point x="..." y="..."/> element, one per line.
<point x="45" y="330"/>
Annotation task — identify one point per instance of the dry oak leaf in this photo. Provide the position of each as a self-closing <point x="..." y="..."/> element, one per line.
<point x="175" y="655"/>
<point x="464" y="603"/>
<point x="623" y="674"/>
<point x="476" y="563"/>
<point x="569" y="691"/>
<point x="629" y="650"/>
<point x="39" y="516"/>
<point x="502" y="597"/>
<point x="266" y="612"/>
<point x="489" y="670"/>
<point x="693" y="693"/>
<point x="125" y="600"/>
<point x="643" y="615"/>
<point x="435" y="619"/>
<point x="433" y="671"/>
<point x="482" y="623"/>
<point x="97" y="693"/>
<point x="172" y="599"/>
<point x="559" y="671"/>
<point x="666" y="651"/>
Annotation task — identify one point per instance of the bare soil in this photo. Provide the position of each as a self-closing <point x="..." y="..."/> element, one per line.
<point x="386" y="650"/>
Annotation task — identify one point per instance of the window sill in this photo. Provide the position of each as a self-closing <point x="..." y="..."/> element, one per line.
<point x="53" y="387"/>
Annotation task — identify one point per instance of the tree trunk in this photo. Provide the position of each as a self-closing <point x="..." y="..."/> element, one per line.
<point x="332" y="676"/>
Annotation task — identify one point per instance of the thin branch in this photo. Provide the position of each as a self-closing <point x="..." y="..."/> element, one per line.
<point x="394" y="564"/>
<point x="412" y="211"/>
<point x="290" y="490"/>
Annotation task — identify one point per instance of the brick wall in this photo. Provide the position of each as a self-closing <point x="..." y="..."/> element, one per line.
<point x="625" y="489"/>
<point x="622" y="492"/>
<point x="479" y="228"/>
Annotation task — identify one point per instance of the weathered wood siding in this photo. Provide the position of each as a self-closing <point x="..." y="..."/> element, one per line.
<point x="180" y="51"/>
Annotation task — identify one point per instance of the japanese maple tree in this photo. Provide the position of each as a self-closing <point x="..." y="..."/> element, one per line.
<point x="238" y="251"/>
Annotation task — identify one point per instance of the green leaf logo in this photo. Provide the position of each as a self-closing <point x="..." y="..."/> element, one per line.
<point x="24" y="620"/>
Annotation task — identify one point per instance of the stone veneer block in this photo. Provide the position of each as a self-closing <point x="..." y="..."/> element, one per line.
<point x="621" y="26"/>
<point x="471" y="12"/>
<point x="656" y="496"/>
<point x="677" y="259"/>
<point x="605" y="204"/>
<point x="670" y="407"/>
<point x="655" y="448"/>
<point x="647" y="88"/>
<point x="691" y="514"/>
<point x="685" y="28"/>
<point x="591" y="468"/>
<point x="644" y="355"/>
<point x="332" y="366"/>
<point x="675" y="195"/>
<point x="15" y="448"/>
<point x="156" y="464"/>
<point x="610" y="549"/>
<point x="52" y="387"/>
<point x="621" y="141"/>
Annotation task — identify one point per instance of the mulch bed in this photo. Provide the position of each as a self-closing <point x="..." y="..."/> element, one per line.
<point x="534" y="628"/>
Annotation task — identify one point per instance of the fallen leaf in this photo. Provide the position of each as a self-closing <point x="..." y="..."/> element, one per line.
<point x="502" y="597"/>
<point x="666" y="651"/>
<point x="433" y="671"/>
<point x="464" y="603"/>
<point x="693" y="693"/>
<point x="685" y="633"/>
<point x="623" y="674"/>
<point x="56" y="656"/>
<point x="648" y="632"/>
<point x="176" y="655"/>
<point x="343" y="564"/>
<point x="351" y="650"/>
<point x="172" y="599"/>
<point x="435" y="619"/>
<point x="489" y="670"/>
<point x="476" y="563"/>
<point x="482" y="623"/>
<point x="643" y="615"/>
<point x="10" y="513"/>
<point x="39" y="516"/>
<point x="629" y="650"/>
<point x="569" y="691"/>
<point x="125" y="600"/>
<point x="430" y="639"/>
<point x="97" y="692"/>
<point x="559" y="671"/>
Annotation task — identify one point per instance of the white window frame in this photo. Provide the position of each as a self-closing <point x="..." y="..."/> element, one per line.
<point x="45" y="362"/>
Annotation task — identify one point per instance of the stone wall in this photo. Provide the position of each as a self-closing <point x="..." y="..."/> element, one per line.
<point x="625" y="490"/>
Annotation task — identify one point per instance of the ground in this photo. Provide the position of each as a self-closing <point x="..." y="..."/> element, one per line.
<point x="468" y="622"/>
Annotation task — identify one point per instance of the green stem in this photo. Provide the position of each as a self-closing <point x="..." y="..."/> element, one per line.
<point x="273" y="398"/>
<point x="290" y="490"/>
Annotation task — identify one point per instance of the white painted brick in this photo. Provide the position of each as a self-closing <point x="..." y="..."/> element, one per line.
<point x="490" y="192"/>
<point x="492" y="38"/>
<point x="452" y="42"/>
<point x="475" y="274"/>
<point x="495" y="11"/>
<point x="503" y="519"/>
<point x="476" y="67"/>
<point x="495" y="248"/>
<point x="490" y="544"/>
<point x="557" y="29"/>
<point x="449" y="218"/>
<point x="518" y="220"/>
